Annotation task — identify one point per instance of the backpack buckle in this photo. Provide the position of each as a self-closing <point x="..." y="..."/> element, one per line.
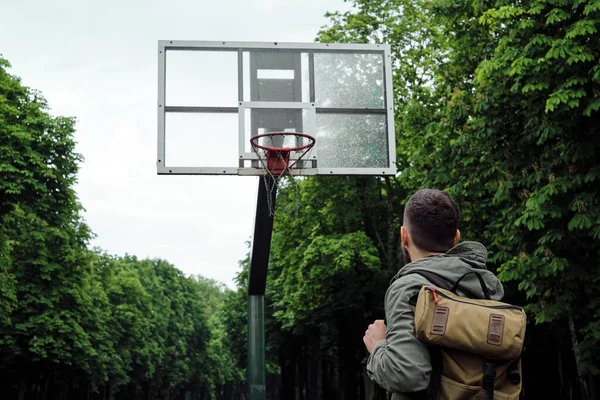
<point x="489" y="379"/>
<point x="489" y="373"/>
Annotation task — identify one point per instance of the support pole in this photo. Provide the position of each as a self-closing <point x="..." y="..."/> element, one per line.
<point x="257" y="388"/>
<point x="259" y="261"/>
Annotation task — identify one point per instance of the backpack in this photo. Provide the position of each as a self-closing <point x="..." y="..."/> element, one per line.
<point x="475" y="344"/>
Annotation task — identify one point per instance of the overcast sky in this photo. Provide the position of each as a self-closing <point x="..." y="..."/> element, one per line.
<point x="97" y="61"/>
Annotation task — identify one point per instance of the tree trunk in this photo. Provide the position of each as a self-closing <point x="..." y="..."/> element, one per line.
<point x="315" y="374"/>
<point x="578" y="364"/>
<point x="146" y="391"/>
<point x="327" y="374"/>
<point x="318" y="373"/>
<point x="561" y="378"/>
<point x="45" y="388"/>
<point x="287" y="363"/>
<point x="368" y="389"/>
<point x="591" y="387"/>
<point x="301" y="372"/>
<point x="37" y="387"/>
<point x="22" y="389"/>
<point x="393" y="239"/>
<point x="361" y="386"/>
<point x="64" y="391"/>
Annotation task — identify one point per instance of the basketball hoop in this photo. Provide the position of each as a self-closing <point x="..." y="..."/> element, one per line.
<point x="275" y="154"/>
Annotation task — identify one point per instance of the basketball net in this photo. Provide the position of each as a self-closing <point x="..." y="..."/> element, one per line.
<point x="278" y="158"/>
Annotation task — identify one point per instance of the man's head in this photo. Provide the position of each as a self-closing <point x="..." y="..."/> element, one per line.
<point x="430" y="223"/>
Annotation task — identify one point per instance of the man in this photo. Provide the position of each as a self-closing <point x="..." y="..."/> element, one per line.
<point x="399" y="362"/>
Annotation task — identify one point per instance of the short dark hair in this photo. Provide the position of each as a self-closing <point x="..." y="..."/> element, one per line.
<point x="432" y="217"/>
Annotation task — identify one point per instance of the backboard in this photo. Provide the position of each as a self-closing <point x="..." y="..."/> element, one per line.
<point x="214" y="96"/>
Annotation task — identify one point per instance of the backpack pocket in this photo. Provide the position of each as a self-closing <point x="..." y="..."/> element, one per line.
<point x="488" y="328"/>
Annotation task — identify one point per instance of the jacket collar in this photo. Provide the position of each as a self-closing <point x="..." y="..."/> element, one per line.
<point x="474" y="253"/>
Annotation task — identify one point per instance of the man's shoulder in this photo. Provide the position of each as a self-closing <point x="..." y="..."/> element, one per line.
<point x="409" y="279"/>
<point x="404" y="287"/>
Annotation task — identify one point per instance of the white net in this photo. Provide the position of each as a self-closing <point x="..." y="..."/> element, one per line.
<point x="279" y="153"/>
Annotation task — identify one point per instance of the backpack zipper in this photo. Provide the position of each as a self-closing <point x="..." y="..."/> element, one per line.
<point x="433" y="291"/>
<point x="435" y="298"/>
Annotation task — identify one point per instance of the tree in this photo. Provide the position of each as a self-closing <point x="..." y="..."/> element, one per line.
<point x="43" y="240"/>
<point x="76" y="323"/>
<point x="515" y="142"/>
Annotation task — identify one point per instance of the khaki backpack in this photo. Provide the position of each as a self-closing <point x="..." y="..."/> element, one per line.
<point x="475" y="344"/>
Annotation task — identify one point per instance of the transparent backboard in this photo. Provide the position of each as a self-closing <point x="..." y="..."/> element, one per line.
<point x="214" y="96"/>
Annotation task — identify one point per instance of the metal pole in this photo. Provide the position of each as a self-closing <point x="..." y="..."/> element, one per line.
<point x="259" y="261"/>
<point x="257" y="388"/>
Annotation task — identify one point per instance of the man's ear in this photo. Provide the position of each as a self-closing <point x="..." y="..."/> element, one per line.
<point x="404" y="236"/>
<point x="456" y="237"/>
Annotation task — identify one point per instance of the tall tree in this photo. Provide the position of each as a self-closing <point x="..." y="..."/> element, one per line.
<point x="76" y="323"/>
<point x="523" y="148"/>
<point x="44" y="239"/>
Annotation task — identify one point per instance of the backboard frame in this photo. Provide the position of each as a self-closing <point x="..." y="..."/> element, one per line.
<point x="240" y="47"/>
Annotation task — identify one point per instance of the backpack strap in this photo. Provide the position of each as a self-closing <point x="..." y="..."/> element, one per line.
<point x="514" y="376"/>
<point x="489" y="378"/>
<point x="443" y="282"/>
<point x="433" y="278"/>
<point x="484" y="288"/>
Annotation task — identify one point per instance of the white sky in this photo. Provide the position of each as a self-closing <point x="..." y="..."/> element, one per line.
<point x="97" y="61"/>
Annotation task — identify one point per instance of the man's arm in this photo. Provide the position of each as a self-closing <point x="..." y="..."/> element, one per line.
<point x="400" y="363"/>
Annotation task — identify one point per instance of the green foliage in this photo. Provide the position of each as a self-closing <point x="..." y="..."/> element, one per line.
<point x="517" y="144"/>
<point x="81" y="322"/>
<point x="160" y="328"/>
<point x="43" y="240"/>
<point x="234" y="315"/>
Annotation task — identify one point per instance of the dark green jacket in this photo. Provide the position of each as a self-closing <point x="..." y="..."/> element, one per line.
<point x="401" y="362"/>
